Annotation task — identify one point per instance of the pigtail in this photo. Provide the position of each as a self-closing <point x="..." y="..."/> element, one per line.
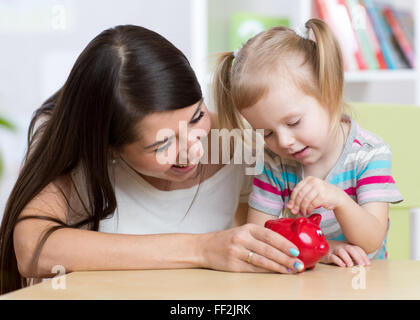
<point x="328" y="66"/>
<point x="228" y="115"/>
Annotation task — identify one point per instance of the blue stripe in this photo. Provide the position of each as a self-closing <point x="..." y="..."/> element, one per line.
<point x="379" y="164"/>
<point x="286" y="176"/>
<point x="340" y="237"/>
<point x="382" y="254"/>
<point x="272" y="177"/>
<point x="348" y="175"/>
<point x="351" y="174"/>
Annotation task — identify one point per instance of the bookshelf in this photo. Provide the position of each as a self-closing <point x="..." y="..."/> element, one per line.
<point x="210" y="34"/>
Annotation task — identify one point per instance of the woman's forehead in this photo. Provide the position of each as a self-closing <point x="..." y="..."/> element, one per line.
<point x="148" y="128"/>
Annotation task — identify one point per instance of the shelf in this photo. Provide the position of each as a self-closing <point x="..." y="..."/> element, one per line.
<point x="380" y="75"/>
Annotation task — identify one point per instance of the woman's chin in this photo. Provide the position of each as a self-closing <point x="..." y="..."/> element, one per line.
<point x="178" y="173"/>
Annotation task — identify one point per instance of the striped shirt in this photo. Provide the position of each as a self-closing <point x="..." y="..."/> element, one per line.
<point x="363" y="171"/>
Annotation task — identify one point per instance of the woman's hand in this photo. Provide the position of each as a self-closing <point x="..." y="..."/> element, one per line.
<point x="228" y="250"/>
<point x="344" y="254"/>
<point x="311" y="193"/>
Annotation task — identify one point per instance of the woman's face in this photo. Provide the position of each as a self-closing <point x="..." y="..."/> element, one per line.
<point x="169" y="145"/>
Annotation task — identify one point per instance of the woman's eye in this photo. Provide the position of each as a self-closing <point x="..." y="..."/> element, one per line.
<point x="163" y="148"/>
<point x="198" y="118"/>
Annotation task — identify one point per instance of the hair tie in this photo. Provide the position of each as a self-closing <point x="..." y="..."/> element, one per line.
<point x="235" y="53"/>
<point x="302" y="31"/>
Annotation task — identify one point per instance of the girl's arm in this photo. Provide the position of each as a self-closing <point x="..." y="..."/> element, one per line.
<point x="363" y="225"/>
<point x="258" y="217"/>
<point x="78" y="250"/>
<point x="241" y="214"/>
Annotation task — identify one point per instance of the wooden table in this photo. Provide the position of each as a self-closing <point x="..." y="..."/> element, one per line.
<point x="383" y="279"/>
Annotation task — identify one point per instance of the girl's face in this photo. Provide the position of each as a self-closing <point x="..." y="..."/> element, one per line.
<point x="169" y="147"/>
<point x="295" y="125"/>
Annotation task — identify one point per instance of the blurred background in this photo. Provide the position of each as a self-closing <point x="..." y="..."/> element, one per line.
<point x="40" y="41"/>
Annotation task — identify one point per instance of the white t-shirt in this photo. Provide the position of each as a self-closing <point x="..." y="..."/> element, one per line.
<point x="143" y="209"/>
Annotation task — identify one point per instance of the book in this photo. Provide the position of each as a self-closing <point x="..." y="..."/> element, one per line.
<point x="358" y="16"/>
<point x="398" y="54"/>
<point x="244" y="25"/>
<point x="377" y="50"/>
<point x="333" y="14"/>
<point x="383" y="34"/>
<point x="351" y="35"/>
<point x="405" y="19"/>
<point x="401" y="38"/>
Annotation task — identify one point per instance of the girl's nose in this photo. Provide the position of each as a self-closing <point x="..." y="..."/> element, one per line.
<point x="285" y="139"/>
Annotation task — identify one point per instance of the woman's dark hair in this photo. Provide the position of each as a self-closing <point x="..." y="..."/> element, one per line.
<point x="124" y="74"/>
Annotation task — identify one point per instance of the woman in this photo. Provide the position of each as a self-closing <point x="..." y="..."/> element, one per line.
<point x="93" y="165"/>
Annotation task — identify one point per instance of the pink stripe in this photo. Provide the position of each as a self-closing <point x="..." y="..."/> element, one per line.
<point x="350" y="191"/>
<point x="375" y="179"/>
<point x="326" y="215"/>
<point x="366" y="135"/>
<point x="268" y="187"/>
<point x="266" y="202"/>
<point x="357" y="142"/>
<point x="378" y="194"/>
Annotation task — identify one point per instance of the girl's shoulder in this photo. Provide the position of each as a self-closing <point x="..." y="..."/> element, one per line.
<point x="365" y="138"/>
<point x="365" y="146"/>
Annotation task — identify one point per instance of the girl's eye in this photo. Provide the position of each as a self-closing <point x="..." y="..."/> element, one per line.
<point x="267" y="135"/>
<point x="198" y="118"/>
<point x="294" y="123"/>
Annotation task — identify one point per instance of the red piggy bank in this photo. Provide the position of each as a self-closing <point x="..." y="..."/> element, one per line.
<point x="305" y="234"/>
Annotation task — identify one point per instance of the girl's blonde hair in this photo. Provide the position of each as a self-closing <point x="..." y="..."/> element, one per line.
<point x="241" y="80"/>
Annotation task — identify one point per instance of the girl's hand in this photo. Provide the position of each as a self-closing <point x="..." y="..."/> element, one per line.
<point x="344" y="254"/>
<point x="311" y="193"/>
<point x="228" y="250"/>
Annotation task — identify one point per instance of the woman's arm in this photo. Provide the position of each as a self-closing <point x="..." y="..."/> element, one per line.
<point x="78" y="250"/>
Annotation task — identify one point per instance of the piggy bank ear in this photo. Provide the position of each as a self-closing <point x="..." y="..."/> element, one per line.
<point x="297" y="225"/>
<point x="269" y="223"/>
<point x="315" y="219"/>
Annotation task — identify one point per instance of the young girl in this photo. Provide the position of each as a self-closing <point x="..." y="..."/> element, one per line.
<point x="318" y="160"/>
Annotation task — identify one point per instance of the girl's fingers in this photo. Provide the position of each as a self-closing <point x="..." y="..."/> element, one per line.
<point x="355" y="255"/>
<point x="342" y="254"/>
<point x="363" y="256"/>
<point x="336" y="260"/>
<point x="295" y="192"/>
<point x="300" y="196"/>
<point x="307" y="204"/>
